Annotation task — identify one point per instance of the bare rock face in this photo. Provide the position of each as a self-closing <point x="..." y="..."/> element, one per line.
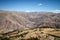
<point x="43" y="19"/>
<point x="11" y="20"/>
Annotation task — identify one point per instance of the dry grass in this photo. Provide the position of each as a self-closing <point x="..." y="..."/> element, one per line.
<point x="39" y="33"/>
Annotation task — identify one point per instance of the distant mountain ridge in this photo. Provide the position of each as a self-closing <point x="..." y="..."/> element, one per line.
<point x="11" y="20"/>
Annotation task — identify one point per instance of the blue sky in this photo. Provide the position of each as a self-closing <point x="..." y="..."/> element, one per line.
<point x="30" y="5"/>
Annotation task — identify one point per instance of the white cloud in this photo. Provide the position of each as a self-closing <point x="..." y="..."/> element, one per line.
<point x="27" y="11"/>
<point x="56" y="11"/>
<point x="40" y="4"/>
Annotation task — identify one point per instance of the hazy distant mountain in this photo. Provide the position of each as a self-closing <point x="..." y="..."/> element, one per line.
<point x="11" y="20"/>
<point x="43" y="18"/>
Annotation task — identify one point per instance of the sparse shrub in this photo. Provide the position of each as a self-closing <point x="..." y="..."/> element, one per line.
<point x="4" y="38"/>
<point x="32" y="38"/>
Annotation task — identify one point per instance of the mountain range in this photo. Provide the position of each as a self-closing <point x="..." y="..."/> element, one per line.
<point x="12" y="20"/>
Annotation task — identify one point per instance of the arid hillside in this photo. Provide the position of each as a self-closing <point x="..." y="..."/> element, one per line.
<point x="43" y="18"/>
<point x="29" y="25"/>
<point x="11" y="20"/>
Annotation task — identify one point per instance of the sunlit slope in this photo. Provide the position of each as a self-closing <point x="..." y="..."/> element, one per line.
<point x="11" y="21"/>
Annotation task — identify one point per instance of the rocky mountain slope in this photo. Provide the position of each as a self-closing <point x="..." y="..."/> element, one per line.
<point x="43" y="18"/>
<point x="11" y="20"/>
